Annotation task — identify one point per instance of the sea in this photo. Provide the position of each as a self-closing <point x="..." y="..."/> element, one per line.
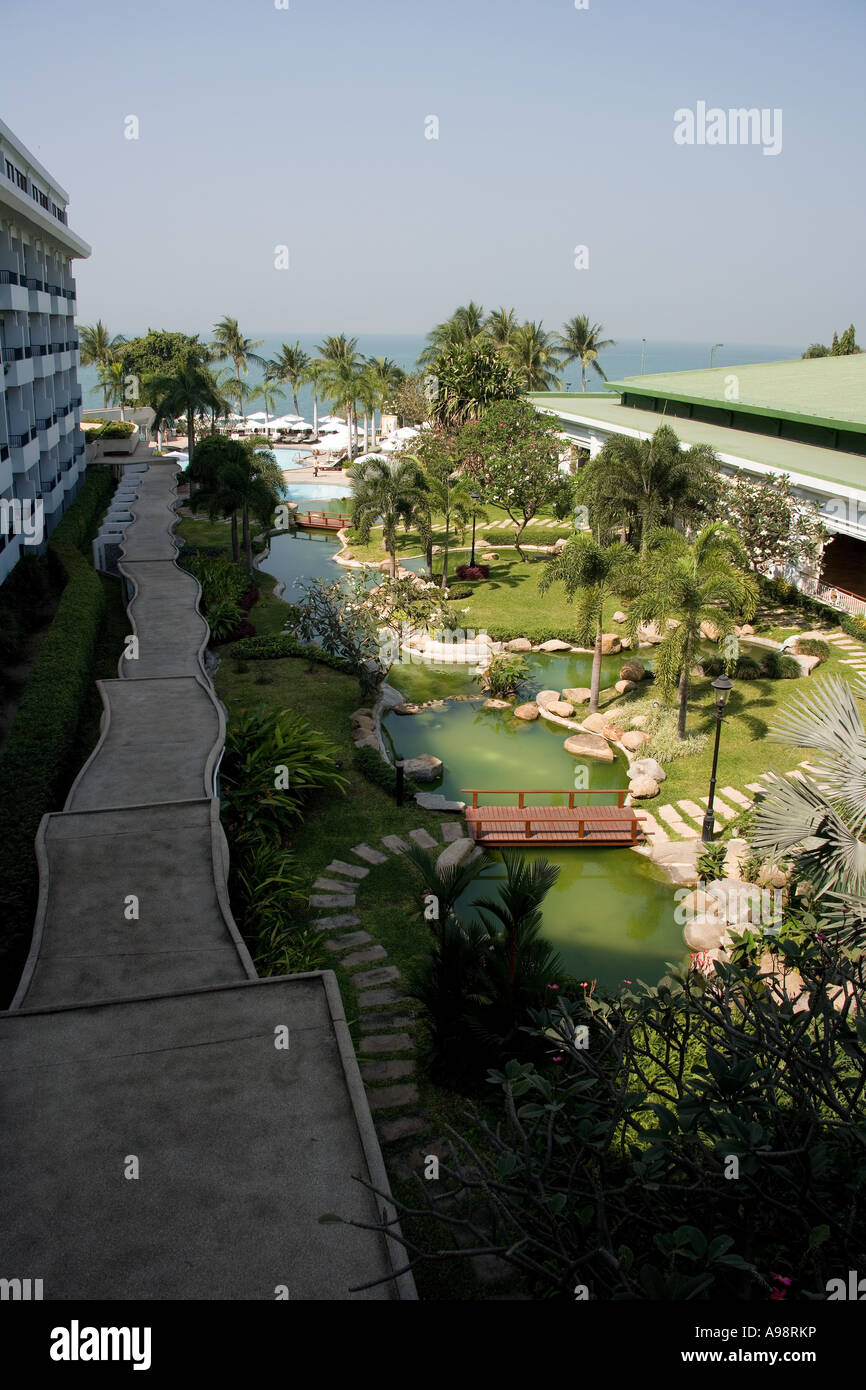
<point x="626" y="358"/>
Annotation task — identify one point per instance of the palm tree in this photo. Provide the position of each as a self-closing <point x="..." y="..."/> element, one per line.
<point x="313" y="373"/>
<point x="112" y="380"/>
<point x="214" y="455"/>
<point x="290" y="366"/>
<point x="521" y="967"/>
<point x="581" y="341"/>
<point x="254" y="481"/>
<point x="532" y="357"/>
<point x="641" y="484"/>
<point x="591" y="574"/>
<point x="386" y="376"/>
<point x="704" y="582"/>
<point x="464" y="328"/>
<point x="187" y="391"/>
<point x="501" y="326"/>
<point x="820" y="821"/>
<point x="268" y="393"/>
<point x="99" y="349"/>
<point x="229" y="342"/>
<point x="447" y="494"/>
<point x="339" y="379"/>
<point x="386" y="490"/>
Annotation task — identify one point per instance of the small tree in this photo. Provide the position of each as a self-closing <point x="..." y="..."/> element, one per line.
<point x="591" y="574"/>
<point x="775" y="527"/>
<point x="469" y="379"/>
<point x="513" y="452"/>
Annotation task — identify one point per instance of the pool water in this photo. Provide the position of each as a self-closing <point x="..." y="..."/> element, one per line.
<point x="289" y="456"/>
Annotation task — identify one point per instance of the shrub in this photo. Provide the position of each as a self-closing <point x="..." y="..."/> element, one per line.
<point x="504" y="674"/>
<point x="288" y="950"/>
<point x="748" y="669"/>
<point x="712" y="666"/>
<point x="813" y="646"/>
<point x="780" y="667"/>
<point x="115" y="429"/>
<point x="35" y="762"/>
<point x="666" y="747"/>
<point x="372" y="765"/>
<point x="257" y="745"/>
<point x="456" y="591"/>
<point x="278" y="645"/>
<point x="711" y="862"/>
<point x="854" y="626"/>
<point x="534" y="632"/>
<point x="473" y="571"/>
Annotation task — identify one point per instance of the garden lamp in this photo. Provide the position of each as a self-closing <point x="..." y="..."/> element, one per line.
<point x="723" y="687"/>
<point x="476" y="497"/>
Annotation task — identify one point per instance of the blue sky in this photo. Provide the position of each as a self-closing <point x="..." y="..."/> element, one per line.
<point x="305" y="127"/>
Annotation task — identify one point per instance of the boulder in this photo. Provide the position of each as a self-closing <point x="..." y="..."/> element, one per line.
<point x="555" y="645"/>
<point x="363" y="740"/>
<point x="672" y="623"/>
<point x="806" y="664"/>
<point x="698" y="903"/>
<point x="747" y="630"/>
<point x="528" y="712"/>
<point x="634" y="739"/>
<point x="647" y="767"/>
<point x="406" y="709"/>
<point x="362" y="714"/>
<point x="455" y="854"/>
<point x="560" y="544"/>
<point x="434" y="801"/>
<point x="611" y="643"/>
<point x="560" y="707"/>
<point x="545" y="698"/>
<point x="633" y="670"/>
<point x="600" y="724"/>
<point x="619" y="617"/>
<point x="362" y="727"/>
<point x="390" y="697"/>
<point x="710" y="631"/>
<point x="623" y="687"/>
<point x="649" y="633"/>
<point x="771" y="876"/>
<point x="643" y="786"/>
<point x="739" y="903"/>
<point x="577" y="694"/>
<point x="639" y="721"/>
<point x="589" y="746"/>
<point x="704" y="933"/>
<point x="491" y="555"/>
<point x="496" y="704"/>
<point x="424" y="768"/>
<point x="519" y="644"/>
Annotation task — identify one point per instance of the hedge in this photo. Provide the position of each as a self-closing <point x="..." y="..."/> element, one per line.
<point x="35" y="762"/>
<point x="780" y="591"/>
<point x="280" y="644"/>
<point x="535" y="632"/>
<point x="854" y="626"/>
<point x="373" y="766"/>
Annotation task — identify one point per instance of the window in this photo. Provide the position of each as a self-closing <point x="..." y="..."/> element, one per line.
<point x="21" y="179"/>
<point x="10" y="170"/>
<point x="34" y="192"/>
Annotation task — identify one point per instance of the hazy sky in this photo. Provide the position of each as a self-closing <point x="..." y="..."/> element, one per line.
<point x="305" y="127"/>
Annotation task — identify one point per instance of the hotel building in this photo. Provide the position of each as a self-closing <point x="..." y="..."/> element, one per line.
<point x="42" y="456"/>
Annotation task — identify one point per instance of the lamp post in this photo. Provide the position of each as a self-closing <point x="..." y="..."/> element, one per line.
<point x="723" y="688"/>
<point x="643" y="356"/>
<point x="713" y="349"/>
<point x="476" y="497"/>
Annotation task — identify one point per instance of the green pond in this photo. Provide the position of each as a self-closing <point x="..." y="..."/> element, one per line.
<point x="611" y="914"/>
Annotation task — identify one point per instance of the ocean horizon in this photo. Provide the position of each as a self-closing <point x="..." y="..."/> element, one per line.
<point x="622" y="360"/>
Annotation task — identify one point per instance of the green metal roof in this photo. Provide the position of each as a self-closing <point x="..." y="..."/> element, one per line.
<point x="827" y="391"/>
<point x="782" y="455"/>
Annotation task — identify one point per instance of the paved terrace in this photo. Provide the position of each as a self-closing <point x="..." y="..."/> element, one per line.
<point x="140" y="1030"/>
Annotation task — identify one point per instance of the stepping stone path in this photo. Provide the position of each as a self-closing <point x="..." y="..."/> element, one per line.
<point x="385" y="1018"/>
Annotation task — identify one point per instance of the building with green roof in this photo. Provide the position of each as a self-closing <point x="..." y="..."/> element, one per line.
<point x="805" y="418"/>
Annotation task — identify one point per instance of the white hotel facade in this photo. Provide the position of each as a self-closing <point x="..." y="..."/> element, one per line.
<point x="42" y="447"/>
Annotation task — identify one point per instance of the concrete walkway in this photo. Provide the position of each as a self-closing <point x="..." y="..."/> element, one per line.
<point x="174" y="1126"/>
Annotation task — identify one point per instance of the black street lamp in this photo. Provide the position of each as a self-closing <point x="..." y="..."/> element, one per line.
<point x="476" y="497"/>
<point x="723" y="688"/>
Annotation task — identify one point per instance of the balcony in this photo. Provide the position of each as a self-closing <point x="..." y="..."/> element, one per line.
<point x="12" y="295"/>
<point x="25" y="450"/>
<point x="17" y="371"/>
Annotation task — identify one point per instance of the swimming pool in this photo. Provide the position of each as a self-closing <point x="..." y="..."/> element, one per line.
<point x="312" y="492"/>
<point x="288" y="456"/>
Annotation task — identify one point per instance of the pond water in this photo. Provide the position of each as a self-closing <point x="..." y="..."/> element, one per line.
<point x="295" y="558"/>
<point x="611" y="913"/>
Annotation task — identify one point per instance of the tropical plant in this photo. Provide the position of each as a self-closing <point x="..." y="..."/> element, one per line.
<point x="442" y="490"/>
<point x="268" y="393"/>
<point x="512" y="453"/>
<point x="532" y="357"/>
<point x="99" y="349"/>
<point x="158" y="355"/>
<point x="505" y="674"/>
<point x="819" y="821"/>
<point x="340" y="379"/>
<point x="290" y="950"/>
<point x="776" y="528"/>
<point x="590" y="574"/>
<point x="386" y="491"/>
<point x="290" y="367"/>
<point x="313" y="374"/>
<point x="384" y="378"/>
<point x="266" y="887"/>
<point x="410" y="398"/>
<point x="640" y="484"/>
<point x="581" y="341"/>
<point x="469" y="378"/>
<point x="704" y="582"/>
<point x="273" y="761"/>
<point x="500" y="326"/>
<point x="230" y="343"/>
<point x="113" y="383"/>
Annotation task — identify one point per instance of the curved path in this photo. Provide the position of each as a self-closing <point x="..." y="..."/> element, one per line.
<point x="174" y="1126"/>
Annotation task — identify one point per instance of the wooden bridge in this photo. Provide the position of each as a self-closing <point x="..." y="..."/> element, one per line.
<point x="326" y="521"/>
<point x="552" y="825"/>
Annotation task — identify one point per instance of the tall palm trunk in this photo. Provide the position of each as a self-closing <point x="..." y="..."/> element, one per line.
<point x="315" y="413"/>
<point x="236" y="552"/>
<point x="295" y="399"/>
<point x="248" y="540"/>
<point x="445" y="550"/>
<point x="683" y="690"/>
<point x="373" y="428"/>
<point x="595" y="678"/>
<point x="365" y="431"/>
<point x="240" y="397"/>
<point x="190" y="434"/>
